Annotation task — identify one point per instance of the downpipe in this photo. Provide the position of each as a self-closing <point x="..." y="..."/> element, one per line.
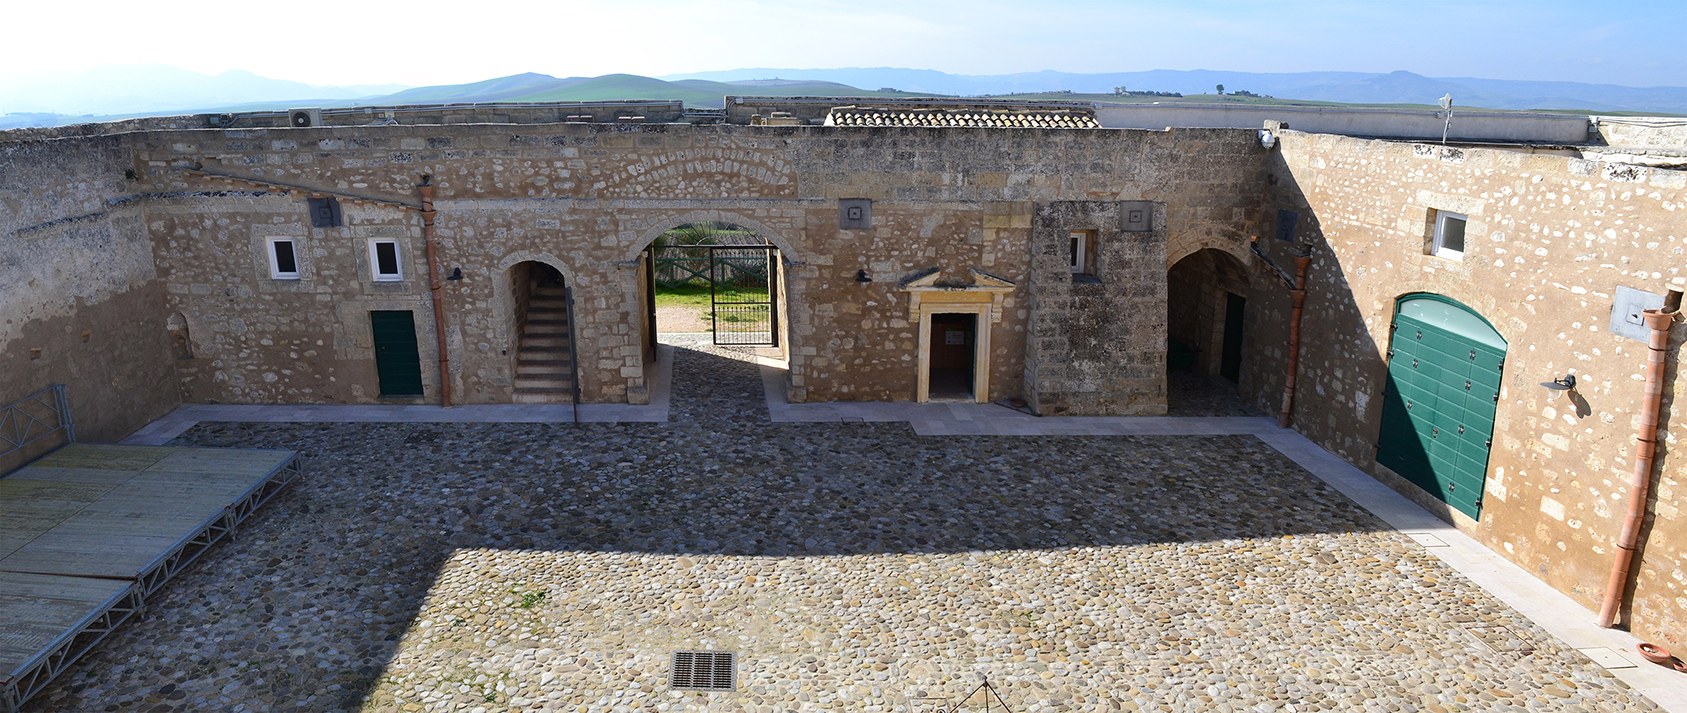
<point x="1298" y="293"/>
<point x="1645" y="453"/>
<point x="433" y="286"/>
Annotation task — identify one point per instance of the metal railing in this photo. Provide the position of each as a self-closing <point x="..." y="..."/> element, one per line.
<point x="35" y="417"/>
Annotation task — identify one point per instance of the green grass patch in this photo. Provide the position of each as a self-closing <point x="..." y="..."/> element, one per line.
<point x="698" y="296"/>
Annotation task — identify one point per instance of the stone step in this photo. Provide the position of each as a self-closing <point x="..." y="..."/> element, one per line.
<point x="528" y="342"/>
<point x="544" y="359"/>
<point x="558" y="331"/>
<point x="542" y="396"/>
<point x="559" y="352"/>
<point x="545" y="386"/>
<point x="543" y="371"/>
<point x="552" y="293"/>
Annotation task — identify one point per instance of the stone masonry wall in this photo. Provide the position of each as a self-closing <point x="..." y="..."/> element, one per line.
<point x="82" y="302"/>
<point x="587" y="198"/>
<point x="1098" y="347"/>
<point x="1549" y="239"/>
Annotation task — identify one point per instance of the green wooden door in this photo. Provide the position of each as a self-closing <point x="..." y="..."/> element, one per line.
<point x="1443" y="388"/>
<point x="396" y="358"/>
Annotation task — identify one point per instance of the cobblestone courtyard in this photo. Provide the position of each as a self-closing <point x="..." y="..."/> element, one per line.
<point x="854" y="567"/>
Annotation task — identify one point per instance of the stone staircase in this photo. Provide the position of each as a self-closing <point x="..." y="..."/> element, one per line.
<point x="543" y="371"/>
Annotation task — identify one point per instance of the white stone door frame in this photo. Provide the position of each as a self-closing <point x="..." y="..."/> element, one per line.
<point x="980" y="350"/>
<point x="983" y="296"/>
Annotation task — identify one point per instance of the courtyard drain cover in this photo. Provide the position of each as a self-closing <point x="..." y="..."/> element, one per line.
<point x="703" y="671"/>
<point x="1502" y="640"/>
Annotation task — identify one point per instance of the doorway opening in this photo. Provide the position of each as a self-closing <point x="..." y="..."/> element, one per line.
<point x="953" y="363"/>
<point x="542" y="359"/>
<point x="1206" y="329"/>
<point x="716" y="283"/>
<point x="1230" y="354"/>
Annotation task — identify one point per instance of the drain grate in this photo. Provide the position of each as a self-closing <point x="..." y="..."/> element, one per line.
<point x="703" y="671"/>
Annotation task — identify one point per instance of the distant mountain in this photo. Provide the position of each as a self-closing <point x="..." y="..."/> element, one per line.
<point x="1347" y="87"/>
<point x="155" y="90"/>
<point x="116" y="92"/>
<point x="130" y="89"/>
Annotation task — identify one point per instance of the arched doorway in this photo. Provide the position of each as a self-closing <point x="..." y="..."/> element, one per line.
<point x="1444" y="365"/>
<point x="1206" y="308"/>
<point x="1206" y="300"/>
<point x="713" y="280"/>
<point x="542" y="360"/>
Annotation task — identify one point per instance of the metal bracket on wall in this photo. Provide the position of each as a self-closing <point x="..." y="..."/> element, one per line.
<point x="1287" y="278"/>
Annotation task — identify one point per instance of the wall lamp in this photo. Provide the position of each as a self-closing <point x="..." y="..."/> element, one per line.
<point x="456" y="274"/>
<point x="861" y="277"/>
<point x="1568" y="383"/>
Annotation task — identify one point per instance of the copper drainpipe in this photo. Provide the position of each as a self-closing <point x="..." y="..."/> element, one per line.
<point x="1645" y="448"/>
<point x="1299" y="295"/>
<point x="433" y="285"/>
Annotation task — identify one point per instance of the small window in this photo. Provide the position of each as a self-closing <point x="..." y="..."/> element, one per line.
<point x="383" y="260"/>
<point x="1449" y="235"/>
<point x="283" y="259"/>
<point x="1080" y="253"/>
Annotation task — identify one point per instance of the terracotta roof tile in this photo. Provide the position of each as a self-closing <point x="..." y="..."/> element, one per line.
<point x="1031" y="119"/>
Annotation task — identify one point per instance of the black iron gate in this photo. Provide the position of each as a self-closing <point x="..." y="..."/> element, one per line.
<point x="743" y="282"/>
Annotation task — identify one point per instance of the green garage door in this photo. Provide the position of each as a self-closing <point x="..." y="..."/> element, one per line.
<point x="1443" y="387"/>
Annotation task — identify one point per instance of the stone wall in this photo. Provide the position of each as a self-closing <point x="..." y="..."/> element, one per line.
<point x="82" y="299"/>
<point x="1549" y="239"/>
<point x="1098" y="347"/>
<point x="588" y="198"/>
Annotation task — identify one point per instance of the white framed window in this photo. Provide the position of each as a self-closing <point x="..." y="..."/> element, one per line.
<point x="1449" y="235"/>
<point x="1080" y="253"/>
<point x="283" y="258"/>
<point x="384" y="263"/>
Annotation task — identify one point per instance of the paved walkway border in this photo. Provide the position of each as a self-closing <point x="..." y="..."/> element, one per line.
<point x="1554" y="611"/>
<point x="186" y="416"/>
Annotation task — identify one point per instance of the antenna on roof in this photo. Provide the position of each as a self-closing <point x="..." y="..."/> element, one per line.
<point x="1447" y="105"/>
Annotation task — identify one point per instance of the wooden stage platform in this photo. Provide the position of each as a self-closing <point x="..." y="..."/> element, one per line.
<point x="89" y="532"/>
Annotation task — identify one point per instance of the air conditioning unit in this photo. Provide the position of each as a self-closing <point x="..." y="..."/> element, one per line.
<point x="304" y="118"/>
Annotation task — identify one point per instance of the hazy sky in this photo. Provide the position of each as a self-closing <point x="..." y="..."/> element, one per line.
<point x="1630" y="42"/>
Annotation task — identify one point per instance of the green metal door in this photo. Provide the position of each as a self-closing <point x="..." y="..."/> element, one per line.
<point x="396" y="359"/>
<point x="1444" y="369"/>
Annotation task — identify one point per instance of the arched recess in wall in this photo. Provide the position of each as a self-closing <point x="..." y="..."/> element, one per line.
<point x="544" y="372"/>
<point x="1445" y="369"/>
<point x="1206" y="303"/>
<point x="181" y="338"/>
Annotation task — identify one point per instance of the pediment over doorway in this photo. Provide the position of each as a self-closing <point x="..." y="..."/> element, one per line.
<point x="929" y="288"/>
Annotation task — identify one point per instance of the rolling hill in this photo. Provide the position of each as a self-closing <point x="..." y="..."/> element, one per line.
<point x="528" y="87"/>
<point x="1343" y="87"/>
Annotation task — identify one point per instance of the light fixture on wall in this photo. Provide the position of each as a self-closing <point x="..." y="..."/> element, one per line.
<point x="861" y="277"/>
<point x="456" y="274"/>
<point x="1568" y="383"/>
